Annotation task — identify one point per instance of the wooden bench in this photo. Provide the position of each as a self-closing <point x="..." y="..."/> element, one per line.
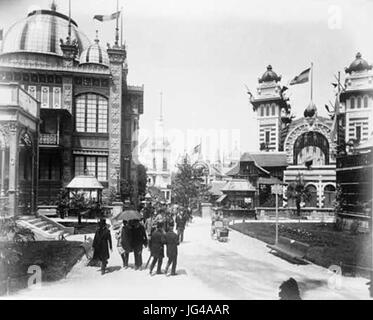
<point x="291" y="250"/>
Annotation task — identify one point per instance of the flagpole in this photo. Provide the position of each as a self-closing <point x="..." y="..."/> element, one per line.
<point x="121" y="26"/>
<point x="69" y="32"/>
<point x="337" y="110"/>
<point x="117" y="27"/>
<point x="311" y="81"/>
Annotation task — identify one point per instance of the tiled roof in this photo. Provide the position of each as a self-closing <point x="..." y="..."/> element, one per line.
<point x="266" y="159"/>
<point x="238" y="185"/>
<point x="216" y="187"/>
<point x="233" y="171"/>
<point x="270" y="180"/>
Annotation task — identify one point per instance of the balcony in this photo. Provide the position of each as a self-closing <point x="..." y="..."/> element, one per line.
<point x="49" y="139"/>
<point x="13" y="95"/>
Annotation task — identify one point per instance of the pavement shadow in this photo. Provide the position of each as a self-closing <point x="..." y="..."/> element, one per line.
<point x="180" y="272"/>
<point x="113" y="269"/>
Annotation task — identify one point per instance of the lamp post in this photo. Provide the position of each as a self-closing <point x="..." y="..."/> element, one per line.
<point x="118" y="197"/>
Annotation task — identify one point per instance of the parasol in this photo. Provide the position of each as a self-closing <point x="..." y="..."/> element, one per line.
<point x="129" y="215"/>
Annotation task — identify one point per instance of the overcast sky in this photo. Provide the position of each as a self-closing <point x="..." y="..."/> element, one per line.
<point x="200" y="53"/>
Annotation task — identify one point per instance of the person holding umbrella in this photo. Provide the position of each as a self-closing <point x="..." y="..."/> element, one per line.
<point x="102" y="243"/>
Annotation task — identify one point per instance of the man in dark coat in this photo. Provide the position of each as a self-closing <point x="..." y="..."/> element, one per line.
<point x="125" y="240"/>
<point x="172" y="241"/>
<point x="180" y="226"/>
<point x="138" y="240"/>
<point x="101" y="244"/>
<point x="157" y="242"/>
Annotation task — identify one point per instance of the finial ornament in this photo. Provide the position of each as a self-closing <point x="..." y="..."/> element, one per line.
<point x="53" y="6"/>
<point x="97" y="40"/>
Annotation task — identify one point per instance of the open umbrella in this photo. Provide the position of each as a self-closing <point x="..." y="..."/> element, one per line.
<point x="129" y="215"/>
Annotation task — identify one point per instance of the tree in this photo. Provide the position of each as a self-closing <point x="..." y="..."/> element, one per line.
<point x="297" y="191"/>
<point x="78" y="204"/>
<point x="187" y="184"/>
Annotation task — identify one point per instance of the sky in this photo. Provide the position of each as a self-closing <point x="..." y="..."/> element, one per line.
<point x="201" y="53"/>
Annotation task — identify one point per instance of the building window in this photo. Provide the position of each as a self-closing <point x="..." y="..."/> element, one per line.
<point x="154" y="164"/>
<point x="358" y="133"/>
<point x="273" y="109"/>
<point x="365" y="102"/>
<point x="57" y="98"/>
<point x="91" y="165"/>
<point x="352" y="100"/>
<point x="32" y="91"/>
<point x="262" y="111"/>
<point x="91" y="113"/>
<point x="44" y="97"/>
<point x="267" y="110"/>
<point x="359" y="102"/>
<point x="268" y="137"/>
<point x="164" y="164"/>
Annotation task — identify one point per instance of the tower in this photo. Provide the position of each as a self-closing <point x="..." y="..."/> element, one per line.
<point x="358" y="100"/>
<point x="268" y="104"/>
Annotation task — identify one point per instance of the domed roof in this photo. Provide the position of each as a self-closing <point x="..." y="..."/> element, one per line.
<point x="310" y="110"/>
<point x="269" y="76"/>
<point x="41" y="32"/>
<point x="94" y="54"/>
<point x="359" y="64"/>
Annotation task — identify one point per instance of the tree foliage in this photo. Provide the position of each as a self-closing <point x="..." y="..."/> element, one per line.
<point x="187" y="184"/>
<point x="298" y="191"/>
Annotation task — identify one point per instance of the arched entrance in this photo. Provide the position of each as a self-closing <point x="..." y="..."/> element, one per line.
<point x="4" y="174"/>
<point x="329" y="196"/>
<point x="311" y="145"/>
<point x="25" y="174"/>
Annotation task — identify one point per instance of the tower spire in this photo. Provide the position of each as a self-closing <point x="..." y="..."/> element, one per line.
<point x="117" y="27"/>
<point x="161" y="107"/>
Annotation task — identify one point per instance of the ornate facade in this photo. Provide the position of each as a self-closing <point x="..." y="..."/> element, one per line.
<point x="89" y="115"/>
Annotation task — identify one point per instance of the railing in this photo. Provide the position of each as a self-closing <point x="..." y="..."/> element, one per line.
<point x="12" y="94"/>
<point x="50" y="139"/>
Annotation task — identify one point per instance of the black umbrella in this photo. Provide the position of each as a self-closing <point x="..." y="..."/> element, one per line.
<point x="129" y="215"/>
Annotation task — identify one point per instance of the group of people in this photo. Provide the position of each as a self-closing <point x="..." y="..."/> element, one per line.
<point x="156" y="230"/>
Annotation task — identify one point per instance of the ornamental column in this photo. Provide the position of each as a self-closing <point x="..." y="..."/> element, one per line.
<point x="117" y="56"/>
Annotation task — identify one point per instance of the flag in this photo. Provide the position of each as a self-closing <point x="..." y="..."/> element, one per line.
<point x="302" y="77"/>
<point x="335" y="120"/>
<point x="1" y="34"/>
<point x="103" y="18"/>
<point x="197" y="149"/>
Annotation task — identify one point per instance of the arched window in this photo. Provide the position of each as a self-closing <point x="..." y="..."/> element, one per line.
<point x="261" y="110"/>
<point x="359" y="102"/>
<point x="366" y="102"/>
<point x="91" y="113"/>
<point x="273" y="109"/>
<point x="352" y="101"/>
<point x="164" y="164"/>
<point x="267" y="110"/>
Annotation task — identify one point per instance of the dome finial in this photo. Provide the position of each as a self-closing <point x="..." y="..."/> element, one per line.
<point x="269" y="67"/>
<point x="358" y="55"/>
<point x="97" y="40"/>
<point x="53" y="6"/>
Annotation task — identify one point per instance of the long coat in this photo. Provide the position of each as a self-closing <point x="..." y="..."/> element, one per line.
<point x="138" y="237"/>
<point x="172" y="241"/>
<point x="180" y="222"/>
<point x="156" y="244"/>
<point x="102" y="243"/>
<point x="126" y="239"/>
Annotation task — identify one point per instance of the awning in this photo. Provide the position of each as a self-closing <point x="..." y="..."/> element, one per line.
<point x="221" y="198"/>
<point x="270" y="181"/>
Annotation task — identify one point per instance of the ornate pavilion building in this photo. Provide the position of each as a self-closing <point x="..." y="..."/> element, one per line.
<point x="65" y="110"/>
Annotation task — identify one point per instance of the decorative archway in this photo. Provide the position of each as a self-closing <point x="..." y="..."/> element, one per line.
<point x="26" y="161"/>
<point x="316" y="125"/>
<point x="311" y="145"/>
<point x="312" y="200"/>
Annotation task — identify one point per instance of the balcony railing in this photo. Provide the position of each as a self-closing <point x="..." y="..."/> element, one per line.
<point x="13" y="95"/>
<point x="49" y="139"/>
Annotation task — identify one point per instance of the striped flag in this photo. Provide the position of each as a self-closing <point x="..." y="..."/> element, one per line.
<point x="334" y="128"/>
<point x="103" y="18"/>
<point x="302" y="77"/>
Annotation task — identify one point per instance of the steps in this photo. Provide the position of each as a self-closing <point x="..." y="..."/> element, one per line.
<point x="45" y="228"/>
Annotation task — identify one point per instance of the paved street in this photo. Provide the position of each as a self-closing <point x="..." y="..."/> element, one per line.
<point x="243" y="268"/>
